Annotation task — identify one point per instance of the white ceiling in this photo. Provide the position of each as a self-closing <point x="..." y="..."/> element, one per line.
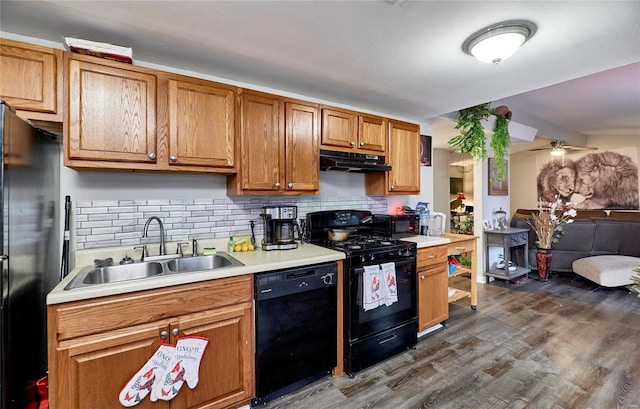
<point x="402" y="58"/>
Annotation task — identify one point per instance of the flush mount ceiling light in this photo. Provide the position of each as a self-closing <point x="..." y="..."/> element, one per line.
<point x="499" y="41"/>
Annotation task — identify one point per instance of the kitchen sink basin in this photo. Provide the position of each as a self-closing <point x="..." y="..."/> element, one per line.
<point x="94" y="275"/>
<point x="113" y="274"/>
<point x="201" y="263"/>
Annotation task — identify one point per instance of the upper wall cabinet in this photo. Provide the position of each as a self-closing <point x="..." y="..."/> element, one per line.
<point x="201" y="124"/>
<point x="111" y="115"/>
<point x="277" y="146"/>
<point x="120" y="116"/>
<point x="404" y="157"/>
<point x="31" y="80"/>
<point x="349" y="131"/>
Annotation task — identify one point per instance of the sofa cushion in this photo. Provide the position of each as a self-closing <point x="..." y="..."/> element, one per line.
<point x="608" y="271"/>
<point x="630" y="239"/>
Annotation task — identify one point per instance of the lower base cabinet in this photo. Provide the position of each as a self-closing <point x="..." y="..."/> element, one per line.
<point x="97" y="345"/>
<point x="433" y="280"/>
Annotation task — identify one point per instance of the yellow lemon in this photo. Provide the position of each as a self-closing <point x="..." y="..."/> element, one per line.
<point x="251" y="248"/>
<point x="245" y="247"/>
<point x="238" y="247"/>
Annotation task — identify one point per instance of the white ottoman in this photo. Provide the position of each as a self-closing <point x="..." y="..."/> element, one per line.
<point x="608" y="271"/>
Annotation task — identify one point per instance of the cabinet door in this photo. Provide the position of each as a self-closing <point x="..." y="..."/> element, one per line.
<point x="433" y="304"/>
<point x="339" y="128"/>
<point x="201" y="125"/>
<point x="31" y="79"/>
<point x="372" y="133"/>
<point x="92" y="370"/>
<point x="301" y="147"/>
<point x="404" y="153"/>
<point x="226" y="374"/>
<point x="111" y="113"/>
<point x="261" y="149"/>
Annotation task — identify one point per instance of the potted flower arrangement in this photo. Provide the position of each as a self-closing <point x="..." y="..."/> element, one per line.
<point x="547" y="225"/>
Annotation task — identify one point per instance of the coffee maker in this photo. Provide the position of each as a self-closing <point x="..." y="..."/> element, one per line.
<point x="280" y="227"/>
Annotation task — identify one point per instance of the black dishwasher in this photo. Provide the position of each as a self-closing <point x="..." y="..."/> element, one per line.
<point x="296" y="328"/>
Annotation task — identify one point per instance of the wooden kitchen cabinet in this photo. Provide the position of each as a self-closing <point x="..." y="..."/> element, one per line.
<point x="31" y="80"/>
<point x="97" y="345"/>
<point x="404" y="158"/>
<point x="111" y="114"/>
<point x="349" y="131"/>
<point x="433" y="306"/>
<point x="201" y="124"/>
<point x="124" y="117"/>
<point x="277" y="145"/>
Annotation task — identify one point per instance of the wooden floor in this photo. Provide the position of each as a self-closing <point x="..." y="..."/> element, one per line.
<point x="536" y="345"/>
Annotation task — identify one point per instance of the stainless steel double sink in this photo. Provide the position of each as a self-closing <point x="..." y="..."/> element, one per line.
<point x="94" y="275"/>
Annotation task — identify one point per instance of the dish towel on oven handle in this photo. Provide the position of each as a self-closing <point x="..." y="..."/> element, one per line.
<point x="372" y="291"/>
<point x="389" y="283"/>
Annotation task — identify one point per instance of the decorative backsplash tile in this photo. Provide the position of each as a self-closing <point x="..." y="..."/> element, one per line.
<point x="114" y="223"/>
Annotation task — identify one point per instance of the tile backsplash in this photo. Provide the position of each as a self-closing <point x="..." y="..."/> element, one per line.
<point x="115" y="223"/>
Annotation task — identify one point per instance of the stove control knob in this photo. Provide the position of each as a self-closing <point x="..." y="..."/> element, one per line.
<point x="362" y="260"/>
<point x="373" y="257"/>
<point x="327" y="278"/>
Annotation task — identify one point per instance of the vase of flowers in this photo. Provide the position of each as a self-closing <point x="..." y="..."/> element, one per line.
<point x="547" y="225"/>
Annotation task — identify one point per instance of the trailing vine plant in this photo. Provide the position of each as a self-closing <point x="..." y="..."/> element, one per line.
<point x="472" y="139"/>
<point x="500" y="145"/>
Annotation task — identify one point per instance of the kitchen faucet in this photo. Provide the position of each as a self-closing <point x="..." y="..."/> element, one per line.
<point x="162" y="251"/>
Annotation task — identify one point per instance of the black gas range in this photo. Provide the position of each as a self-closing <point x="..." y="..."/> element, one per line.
<point x="371" y="334"/>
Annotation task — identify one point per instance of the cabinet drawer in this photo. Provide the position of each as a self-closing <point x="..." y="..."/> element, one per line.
<point x="102" y="314"/>
<point x="431" y="255"/>
<point x="517" y="239"/>
<point x="461" y="247"/>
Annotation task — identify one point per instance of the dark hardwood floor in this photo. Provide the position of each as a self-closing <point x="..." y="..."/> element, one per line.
<point x="536" y="345"/>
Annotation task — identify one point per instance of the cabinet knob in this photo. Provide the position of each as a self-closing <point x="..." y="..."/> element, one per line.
<point x="173" y="158"/>
<point x="164" y="334"/>
<point x="392" y="187"/>
<point x="352" y="143"/>
<point x="290" y="185"/>
<point x="277" y="184"/>
<point x="152" y="156"/>
<point x="361" y="143"/>
<point x="431" y="256"/>
<point x="175" y="332"/>
<point x="422" y="277"/>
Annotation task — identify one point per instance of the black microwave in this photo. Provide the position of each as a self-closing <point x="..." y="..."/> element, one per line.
<point x="396" y="225"/>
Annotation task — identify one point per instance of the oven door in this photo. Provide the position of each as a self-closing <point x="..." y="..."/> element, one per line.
<point x="363" y="323"/>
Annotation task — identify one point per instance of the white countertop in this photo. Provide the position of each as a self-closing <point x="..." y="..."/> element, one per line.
<point x="254" y="262"/>
<point x="427" y="241"/>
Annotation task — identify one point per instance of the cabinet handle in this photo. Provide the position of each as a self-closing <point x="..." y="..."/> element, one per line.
<point x="422" y="277"/>
<point x="352" y="143"/>
<point x="173" y="158"/>
<point x="277" y="184"/>
<point x="152" y="156"/>
<point x="392" y="187"/>
<point x="431" y="256"/>
<point x="175" y="332"/>
<point x="361" y="143"/>
<point x="164" y="334"/>
<point x="290" y="185"/>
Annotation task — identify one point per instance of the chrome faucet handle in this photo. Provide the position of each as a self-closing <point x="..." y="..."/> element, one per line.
<point x="144" y="252"/>
<point x="179" y="248"/>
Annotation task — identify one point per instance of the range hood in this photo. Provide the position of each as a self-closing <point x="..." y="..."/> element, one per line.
<point x="352" y="162"/>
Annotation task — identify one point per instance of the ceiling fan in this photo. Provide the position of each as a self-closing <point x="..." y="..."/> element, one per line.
<point x="560" y="147"/>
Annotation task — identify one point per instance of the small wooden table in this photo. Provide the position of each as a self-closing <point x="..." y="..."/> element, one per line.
<point x="507" y="239"/>
<point x="464" y="244"/>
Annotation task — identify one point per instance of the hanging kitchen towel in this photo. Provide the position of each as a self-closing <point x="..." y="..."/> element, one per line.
<point x="389" y="283"/>
<point x="372" y="287"/>
<point x="184" y="366"/>
<point x="143" y="381"/>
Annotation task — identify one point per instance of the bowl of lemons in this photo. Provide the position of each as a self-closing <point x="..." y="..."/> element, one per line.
<point x="242" y="246"/>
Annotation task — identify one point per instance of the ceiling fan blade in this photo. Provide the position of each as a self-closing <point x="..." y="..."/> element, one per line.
<point x="539" y="149"/>
<point x="580" y="148"/>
